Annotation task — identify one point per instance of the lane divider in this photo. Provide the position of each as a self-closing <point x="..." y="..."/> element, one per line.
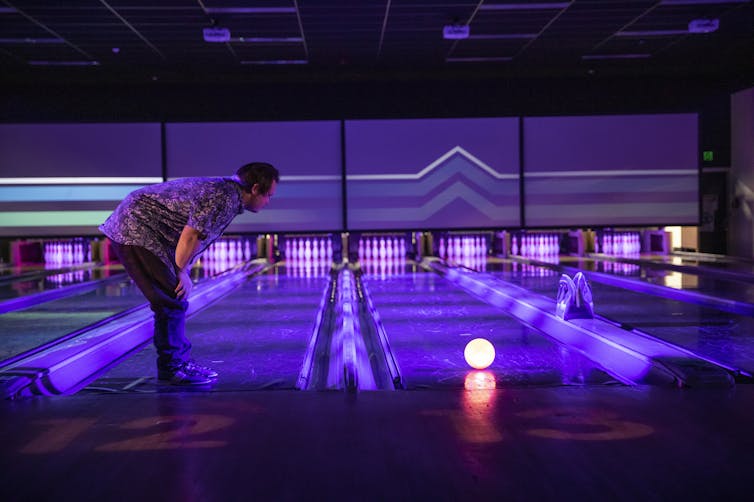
<point x="23" y="302"/>
<point x="347" y="347"/>
<point x="374" y="335"/>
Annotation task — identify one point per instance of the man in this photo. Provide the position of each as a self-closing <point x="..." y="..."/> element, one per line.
<point x="158" y="231"/>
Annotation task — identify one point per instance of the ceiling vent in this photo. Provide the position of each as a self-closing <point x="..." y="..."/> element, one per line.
<point x="455" y="31"/>
<point x="216" y="34"/>
<point x="703" y="25"/>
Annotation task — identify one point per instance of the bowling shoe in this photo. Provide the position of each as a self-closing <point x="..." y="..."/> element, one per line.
<point x="203" y="370"/>
<point x="186" y="374"/>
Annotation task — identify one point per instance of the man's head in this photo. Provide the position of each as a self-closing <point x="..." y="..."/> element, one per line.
<point x="258" y="181"/>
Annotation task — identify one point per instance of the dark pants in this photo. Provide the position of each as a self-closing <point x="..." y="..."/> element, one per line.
<point x="158" y="281"/>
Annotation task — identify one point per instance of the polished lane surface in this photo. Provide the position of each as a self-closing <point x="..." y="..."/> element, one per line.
<point x="255" y="337"/>
<point x="429" y="321"/>
<point x="720" y="336"/>
<point x="28" y="328"/>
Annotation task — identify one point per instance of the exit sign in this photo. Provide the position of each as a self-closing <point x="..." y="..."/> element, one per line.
<point x="708" y="155"/>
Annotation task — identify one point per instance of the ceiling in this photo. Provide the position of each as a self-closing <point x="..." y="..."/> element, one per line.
<point x="158" y="38"/>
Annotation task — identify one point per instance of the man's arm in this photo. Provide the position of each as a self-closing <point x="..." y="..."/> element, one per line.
<point x="188" y="243"/>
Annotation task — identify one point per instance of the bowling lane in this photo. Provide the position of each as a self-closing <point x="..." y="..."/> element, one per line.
<point x="26" y="285"/>
<point x="255" y="337"/>
<point x="429" y="321"/>
<point x="736" y="290"/>
<point x="719" y="336"/>
<point x="23" y="330"/>
<point x="717" y="262"/>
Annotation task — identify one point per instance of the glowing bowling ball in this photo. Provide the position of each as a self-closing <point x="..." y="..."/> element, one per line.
<point x="479" y="353"/>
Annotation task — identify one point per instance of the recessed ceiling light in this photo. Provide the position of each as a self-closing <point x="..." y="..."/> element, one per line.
<point x="616" y="56"/>
<point x="250" y="10"/>
<point x="651" y="33"/>
<point x="491" y="59"/>
<point x="31" y="41"/>
<point x="276" y="62"/>
<point x="525" y="6"/>
<point x="268" y="40"/>
<point x="64" y="63"/>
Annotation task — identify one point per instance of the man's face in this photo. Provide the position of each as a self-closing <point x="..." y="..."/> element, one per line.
<point x="255" y="200"/>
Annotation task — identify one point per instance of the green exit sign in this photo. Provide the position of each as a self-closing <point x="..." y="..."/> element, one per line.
<point x="708" y="155"/>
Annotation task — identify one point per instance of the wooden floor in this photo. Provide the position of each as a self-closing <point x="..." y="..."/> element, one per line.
<point x="536" y="443"/>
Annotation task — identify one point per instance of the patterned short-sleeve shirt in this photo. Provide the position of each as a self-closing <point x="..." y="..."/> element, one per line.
<point x="154" y="216"/>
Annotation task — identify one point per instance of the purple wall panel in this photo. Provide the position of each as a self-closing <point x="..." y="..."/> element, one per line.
<point x="611" y="170"/>
<point x="432" y="173"/>
<point x="80" y="150"/>
<point x="611" y="142"/>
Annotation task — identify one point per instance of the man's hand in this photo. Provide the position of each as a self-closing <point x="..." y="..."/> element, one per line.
<point x="184" y="251"/>
<point x="184" y="287"/>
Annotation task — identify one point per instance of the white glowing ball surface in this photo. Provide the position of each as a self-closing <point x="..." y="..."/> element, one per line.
<point x="479" y="353"/>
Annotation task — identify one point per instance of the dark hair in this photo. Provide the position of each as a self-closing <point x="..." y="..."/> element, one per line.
<point x="260" y="173"/>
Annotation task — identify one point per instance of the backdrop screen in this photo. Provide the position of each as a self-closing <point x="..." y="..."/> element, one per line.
<point x="611" y="170"/>
<point x="307" y="154"/>
<point x="65" y="179"/>
<point x="432" y="173"/>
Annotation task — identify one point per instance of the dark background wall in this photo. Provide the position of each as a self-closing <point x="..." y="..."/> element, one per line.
<point x="356" y="96"/>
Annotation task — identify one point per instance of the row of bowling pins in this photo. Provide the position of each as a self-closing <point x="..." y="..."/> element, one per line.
<point x="308" y="268"/>
<point x="540" y="244"/>
<point x="460" y="246"/>
<point x="619" y="268"/>
<point x="528" y="270"/>
<point x="384" y="267"/>
<point x="224" y="254"/>
<point x="62" y="253"/>
<point x="619" y="243"/>
<point x="474" y="262"/>
<point x="67" y="278"/>
<point x="312" y="249"/>
<point x="383" y="247"/>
